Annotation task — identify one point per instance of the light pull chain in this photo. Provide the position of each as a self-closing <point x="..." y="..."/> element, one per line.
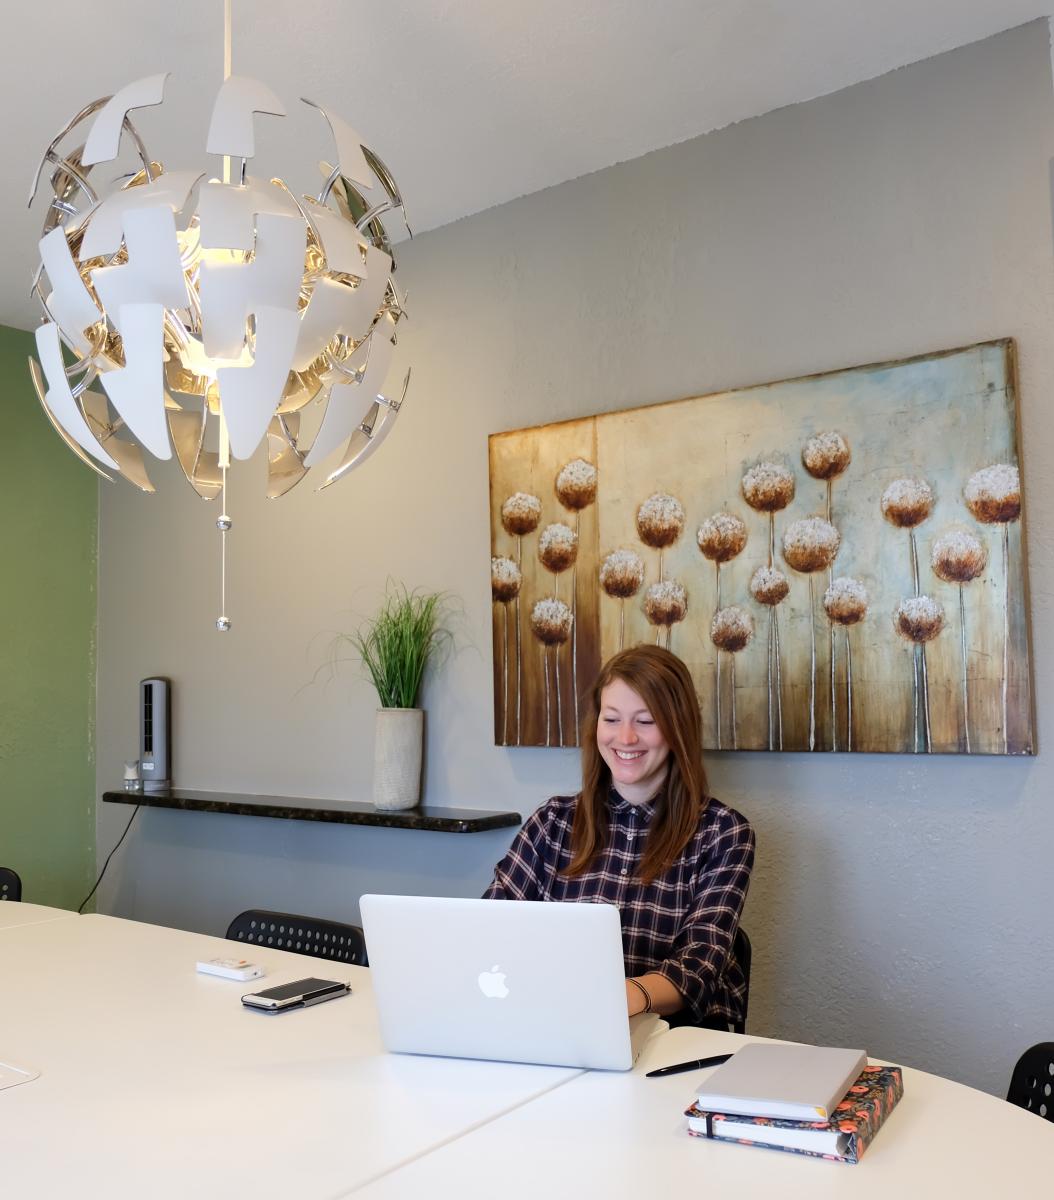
<point x="223" y="521"/>
<point x="223" y="524"/>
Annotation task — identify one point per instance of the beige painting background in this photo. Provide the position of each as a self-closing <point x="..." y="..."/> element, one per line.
<point x="940" y="417"/>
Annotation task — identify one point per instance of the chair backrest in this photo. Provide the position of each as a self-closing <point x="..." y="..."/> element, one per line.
<point x="10" y="884"/>
<point x="741" y="949"/>
<point x="302" y="935"/>
<point x="1032" y="1083"/>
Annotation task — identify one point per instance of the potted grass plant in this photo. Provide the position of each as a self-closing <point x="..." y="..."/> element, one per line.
<point x="396" y="645"/>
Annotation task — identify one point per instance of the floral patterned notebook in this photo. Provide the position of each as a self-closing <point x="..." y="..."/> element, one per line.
<point x="843" y="1138"/>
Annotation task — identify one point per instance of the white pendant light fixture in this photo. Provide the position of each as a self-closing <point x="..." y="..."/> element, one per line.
<point x="199" y="315"/>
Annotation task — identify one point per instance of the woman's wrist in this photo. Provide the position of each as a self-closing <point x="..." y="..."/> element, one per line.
<point x="636" y="991"/>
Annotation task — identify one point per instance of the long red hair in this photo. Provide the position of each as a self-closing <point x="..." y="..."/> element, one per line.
<point x="665" y="685"/>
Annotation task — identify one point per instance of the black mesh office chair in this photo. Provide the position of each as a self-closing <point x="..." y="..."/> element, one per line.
<point x="1032" y="1083"/>
<point x="741" y="950"/>
<point x="302" y="935"/>
<point x="10" y="884"/>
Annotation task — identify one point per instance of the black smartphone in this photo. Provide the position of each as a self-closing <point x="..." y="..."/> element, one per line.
<point x="298" y="994"/>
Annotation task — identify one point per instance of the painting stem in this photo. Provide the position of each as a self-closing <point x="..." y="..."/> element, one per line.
<point x="914" y="560"/>
<point x="779" y="681"/>
<point x="732" y="682"/>
<point x="830" y="655"/>
<point x="812" y="668"/>
<point x="519" y="672"/>
<point x="1005" y="631"/>
<point x="966" y="687"/>
<point x="574" y="624"/>
<point x="717" y="705"/>
<point x="926" y="700"/>
<point x="505" y="677"/>
<point x="772" y="729"/>
<point x="621" y="623"/>
<point x="772" y="538"/>
<point x="915" y="694"/>
<point x="559" y="706"/>
<point x="848" y="691"/>
<point x="548" y="714"/>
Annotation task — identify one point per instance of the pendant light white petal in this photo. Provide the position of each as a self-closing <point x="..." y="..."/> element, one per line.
<point x="106" y="221"/>
<point x="227" y="211"/>
<point x="350" y="158"/>
<point x="248" y="395"/>
<point x="231" y="291"/>
<point x="231" y="128"/>
<point x="342" y="244"/>
<point x="153" y="273"/>
<point x="104" y="140"/>
<point x="70" y="303"/>
<point x="362" y="445"/>
<point x="59" y="400"/>
<point x="137" y="389"/>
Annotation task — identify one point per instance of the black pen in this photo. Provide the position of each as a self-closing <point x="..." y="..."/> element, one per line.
<point x="695" y="1065"/>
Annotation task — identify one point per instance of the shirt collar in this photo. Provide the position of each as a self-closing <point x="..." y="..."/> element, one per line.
<point x="622" y="808"/>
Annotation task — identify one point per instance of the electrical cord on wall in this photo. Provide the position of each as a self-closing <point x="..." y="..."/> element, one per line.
<point x="108" y="857"/>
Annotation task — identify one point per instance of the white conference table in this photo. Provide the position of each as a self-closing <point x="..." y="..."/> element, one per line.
<point x="155" y="1082"/>
<point x="14" y="914"/>
<point x="623" y="1136"/>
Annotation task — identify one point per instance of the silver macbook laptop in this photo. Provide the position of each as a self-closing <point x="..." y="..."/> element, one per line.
<point x="511" y="980"/>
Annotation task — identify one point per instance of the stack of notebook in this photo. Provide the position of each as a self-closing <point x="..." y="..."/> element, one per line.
<point x="813" y="1100"/>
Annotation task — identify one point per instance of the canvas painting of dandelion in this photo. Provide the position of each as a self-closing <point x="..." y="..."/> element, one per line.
<point x="839" y="559"/>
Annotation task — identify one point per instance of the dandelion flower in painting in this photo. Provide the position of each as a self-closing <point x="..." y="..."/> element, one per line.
<point x="769" y="586"/>
<point x="660" y="521"/>
<point x="731" y="631"/>
<point x="557" y="547"/>
<point x="621" y="576"/>
<point x="505" y="580"/>
<point x="810" y="544"/>
<point x="993" y="494"/>
<point x="576" y="484"/>
<point x="825" y="455"/>
<point x="622" y="573"/>
<point x="907" y="502"/>
<point x="665" y="603"/>
<point x="551" y="622"/>
<point x="576" y="489"/>
<point x="845" y="603"/>
<point x="521" y="513"/>
<point x="919" y="619"/>
<point x="721" y="537"/>
<point x="959" y="557"/>
<point x="768" y="487"/>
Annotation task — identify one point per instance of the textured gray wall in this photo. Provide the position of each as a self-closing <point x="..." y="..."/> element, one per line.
<point x="898" y="903"/>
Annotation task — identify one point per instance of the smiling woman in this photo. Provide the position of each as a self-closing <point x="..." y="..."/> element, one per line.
<point x="645" y="835"/>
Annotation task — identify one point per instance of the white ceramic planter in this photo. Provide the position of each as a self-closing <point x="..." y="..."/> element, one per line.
<point x="397" y="750"/>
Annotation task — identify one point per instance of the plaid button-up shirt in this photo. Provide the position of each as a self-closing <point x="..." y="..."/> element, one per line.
<point x="681" y="925"/>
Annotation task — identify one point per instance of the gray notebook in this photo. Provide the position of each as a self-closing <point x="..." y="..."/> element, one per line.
<point x="768" y="1079"/>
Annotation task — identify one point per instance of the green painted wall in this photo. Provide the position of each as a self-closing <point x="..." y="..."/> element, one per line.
<point x="48" y="548"/>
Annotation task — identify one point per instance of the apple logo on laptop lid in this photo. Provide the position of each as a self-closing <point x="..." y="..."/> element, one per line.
<point x="492" y="983"/>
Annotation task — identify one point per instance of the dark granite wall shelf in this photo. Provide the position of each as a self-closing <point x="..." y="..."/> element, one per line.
<point x="340" y="812"/>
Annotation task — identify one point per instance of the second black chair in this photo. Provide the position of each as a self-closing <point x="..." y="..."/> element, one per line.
<point x="302" y="935"/>
<point x="10" y="884"/>
<point x="1032" y="1083"/>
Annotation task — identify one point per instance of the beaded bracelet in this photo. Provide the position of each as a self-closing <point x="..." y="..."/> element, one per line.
<point x="647" y="995"/>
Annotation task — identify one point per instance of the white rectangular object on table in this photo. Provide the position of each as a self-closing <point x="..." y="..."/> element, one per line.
<point x="768" y="1079"/>
<point x="510" y="981"/>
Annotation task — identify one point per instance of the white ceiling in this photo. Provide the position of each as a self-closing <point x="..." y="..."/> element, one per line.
<point x="470" y="102"/>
